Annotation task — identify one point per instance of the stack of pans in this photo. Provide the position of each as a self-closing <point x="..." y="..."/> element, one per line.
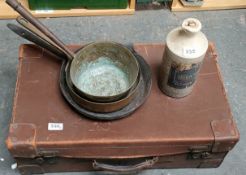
<point x="105" y="77"/>
<point x="114" y="109"/>
<point x="103" y="80"/>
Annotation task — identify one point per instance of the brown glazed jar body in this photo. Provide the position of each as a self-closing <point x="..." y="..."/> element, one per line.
<point x="185" y="49"/>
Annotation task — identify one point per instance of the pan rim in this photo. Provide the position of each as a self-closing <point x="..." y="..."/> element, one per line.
<point x="102" y="98"/>
<point x="132" y="93"/>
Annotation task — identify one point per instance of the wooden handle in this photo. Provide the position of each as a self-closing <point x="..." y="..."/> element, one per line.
<point x="35" y="22"/>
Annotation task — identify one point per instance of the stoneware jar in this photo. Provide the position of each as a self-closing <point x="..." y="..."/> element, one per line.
<point x="185" y="49"/>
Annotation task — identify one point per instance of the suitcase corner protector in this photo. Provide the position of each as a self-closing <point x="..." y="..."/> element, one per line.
<point x="225" y="134"/>
<point x="21" y="140"/>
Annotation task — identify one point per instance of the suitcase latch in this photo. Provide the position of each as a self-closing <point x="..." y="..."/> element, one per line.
<point x="200" y="152"/>
<point x="46" y="156"/>
<point x="49" y="160"/>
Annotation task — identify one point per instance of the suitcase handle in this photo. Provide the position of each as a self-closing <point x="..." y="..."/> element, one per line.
<point x="129" y="168"/>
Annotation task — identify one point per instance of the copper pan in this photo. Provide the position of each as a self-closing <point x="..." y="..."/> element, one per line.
<point x="117" y="53"/>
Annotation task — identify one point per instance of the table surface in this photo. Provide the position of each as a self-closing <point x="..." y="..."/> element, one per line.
<point x="226" y="28"/>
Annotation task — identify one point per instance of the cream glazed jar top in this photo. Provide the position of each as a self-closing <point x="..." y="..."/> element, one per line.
<point x="185" y="49"/>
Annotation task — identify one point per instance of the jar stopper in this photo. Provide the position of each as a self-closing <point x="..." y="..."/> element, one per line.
<point x="192" y="25"/>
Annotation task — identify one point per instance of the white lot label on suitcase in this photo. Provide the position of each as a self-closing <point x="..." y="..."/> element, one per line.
<point x="55" y="126"/>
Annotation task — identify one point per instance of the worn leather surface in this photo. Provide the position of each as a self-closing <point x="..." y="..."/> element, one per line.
<point x="162" y="126"/>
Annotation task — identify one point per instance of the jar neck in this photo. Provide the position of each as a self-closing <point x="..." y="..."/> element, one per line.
<point x="191" y="26"/>
<point x="188" y="33"/>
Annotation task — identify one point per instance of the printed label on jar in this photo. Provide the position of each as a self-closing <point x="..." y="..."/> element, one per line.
<point x="187" y="52"/>
<point x="182" y="76"/>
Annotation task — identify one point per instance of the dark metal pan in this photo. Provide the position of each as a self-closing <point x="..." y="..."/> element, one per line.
<point x="101" y="71"/>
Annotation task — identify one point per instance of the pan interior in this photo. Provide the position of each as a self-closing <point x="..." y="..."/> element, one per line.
<point x="104" y="69"/>
<point x="102" y="77"/>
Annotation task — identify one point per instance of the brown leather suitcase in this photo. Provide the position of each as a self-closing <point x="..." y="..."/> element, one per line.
<point x="46" y="135"/>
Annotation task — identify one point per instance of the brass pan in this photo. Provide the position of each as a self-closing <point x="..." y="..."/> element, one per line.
<point x="97" y="88"/>
<point x="101" y="107"/>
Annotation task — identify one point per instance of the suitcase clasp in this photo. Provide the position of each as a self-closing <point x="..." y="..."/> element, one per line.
<point x="199" y="152"/>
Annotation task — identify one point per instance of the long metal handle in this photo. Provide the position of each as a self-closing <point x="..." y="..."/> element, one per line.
<point x="37" y="40"/>
<point x="30" y="18"/>
<point x="27" y="25"/>
<point x="131" y="168"/>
